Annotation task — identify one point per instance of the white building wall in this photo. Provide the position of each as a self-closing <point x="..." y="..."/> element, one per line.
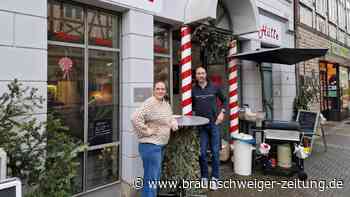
<point x="137" y="72"/>
<point x="23" y="46"/>
<point x="283" y="76"/>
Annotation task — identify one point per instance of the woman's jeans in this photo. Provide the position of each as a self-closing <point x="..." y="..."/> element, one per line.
<point x="152" y="156"/>
<point x="209" y="135"/>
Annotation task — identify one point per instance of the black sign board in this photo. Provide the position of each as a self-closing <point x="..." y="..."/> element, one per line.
<point x="102" y="127"/>
<point x="101" y="132"/>
<point x="308" y="120"/>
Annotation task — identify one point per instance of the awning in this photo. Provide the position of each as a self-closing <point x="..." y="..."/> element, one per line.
<point x="282" y="55"/>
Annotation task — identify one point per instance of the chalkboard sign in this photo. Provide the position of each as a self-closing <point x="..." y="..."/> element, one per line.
<point x="102" y="127"/>
<point x="101" y="132"/>
<point x="308" y="120"/>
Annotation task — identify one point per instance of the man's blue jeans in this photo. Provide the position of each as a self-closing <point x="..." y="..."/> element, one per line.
<point x="152" y="156"/>
<point x="209" y="134"/>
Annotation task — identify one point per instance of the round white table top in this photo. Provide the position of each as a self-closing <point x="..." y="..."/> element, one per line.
<point x="191" y="120"/>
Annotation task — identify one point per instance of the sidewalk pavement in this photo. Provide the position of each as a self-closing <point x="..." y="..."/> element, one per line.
<point x="333" y="164"/>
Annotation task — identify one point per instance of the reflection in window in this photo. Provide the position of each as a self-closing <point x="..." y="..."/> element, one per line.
<point x="161" y="39"/>
<point x="65" y="94"/>
<point x="78" y="180"/>
<point x="66" y="86"/>
<point x="63" y="25"/>
<point x="102" y="29"/>
<point x="162" y="69"/>
<point x="102" y="166"/>
<point x="103" y="101"/>
<point x="69" y="72"/>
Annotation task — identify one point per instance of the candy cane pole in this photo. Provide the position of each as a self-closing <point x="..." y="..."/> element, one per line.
<point x="233" y="88"/>
<point x="186" y="71"/>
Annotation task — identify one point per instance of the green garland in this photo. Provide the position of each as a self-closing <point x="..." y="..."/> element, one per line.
<point x="214" y="41"/>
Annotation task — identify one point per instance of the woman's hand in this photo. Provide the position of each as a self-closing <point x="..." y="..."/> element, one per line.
<point x="174" y="125"/>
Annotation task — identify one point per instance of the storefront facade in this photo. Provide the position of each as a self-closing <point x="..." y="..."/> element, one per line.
<point x="276" y="29"/>
<point x="95" y="61"/>
<point x="319" y="26"/>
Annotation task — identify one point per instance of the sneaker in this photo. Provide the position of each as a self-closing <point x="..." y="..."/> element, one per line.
<point x="204" y="182"/>
<point x="214" y="183"/>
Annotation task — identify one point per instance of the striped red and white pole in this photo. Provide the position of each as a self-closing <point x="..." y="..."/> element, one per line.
<point x="233" y="88"/>
<point x="186" y="71"/>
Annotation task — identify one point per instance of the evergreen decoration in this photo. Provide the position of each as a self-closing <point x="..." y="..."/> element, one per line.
<point x="214" y="43"/>
<point x="42" y="154"/>
<point x="181" y="157"/>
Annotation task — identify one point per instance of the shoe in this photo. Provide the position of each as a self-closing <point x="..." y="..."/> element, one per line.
<point x="214" y="184"/>
<point x="204" y="182"/>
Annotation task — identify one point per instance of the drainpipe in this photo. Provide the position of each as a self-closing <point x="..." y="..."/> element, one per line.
<point x="296" y="22"/>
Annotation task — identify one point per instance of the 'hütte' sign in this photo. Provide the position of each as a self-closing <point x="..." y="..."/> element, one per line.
<point x="267" y="32"/>
<point x="270" y="31"/>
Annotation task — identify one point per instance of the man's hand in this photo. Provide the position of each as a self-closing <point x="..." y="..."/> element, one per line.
<point x="220" y="118"/>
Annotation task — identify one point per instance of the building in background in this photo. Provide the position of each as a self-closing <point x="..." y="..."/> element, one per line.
<point x="326" y="24"/>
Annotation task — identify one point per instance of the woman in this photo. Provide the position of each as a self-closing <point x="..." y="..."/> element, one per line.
<point x="152" y="123"/>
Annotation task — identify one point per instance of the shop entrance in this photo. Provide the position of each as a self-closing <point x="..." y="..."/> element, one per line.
<point x="334" y="91"/>
<point x="217" y="73"/>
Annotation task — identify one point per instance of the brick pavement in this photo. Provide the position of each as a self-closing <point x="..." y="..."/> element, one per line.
<point x="335" y="163"/>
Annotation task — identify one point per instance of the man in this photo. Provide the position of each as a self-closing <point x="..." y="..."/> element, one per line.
<point x="204" y="95"/>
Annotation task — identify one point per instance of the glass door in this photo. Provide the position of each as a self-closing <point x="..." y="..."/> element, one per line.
<point x="267" y="100"/>
<point x="83" y="86"/>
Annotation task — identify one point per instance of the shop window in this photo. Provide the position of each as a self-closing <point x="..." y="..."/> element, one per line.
<point x="162" y="56"/>
<point x="101" y="29"/>
<point x="83" y="87"/>
<point x="328" y="82"/>
<point x="62" y="26"/>
<point x="161" y="39"/>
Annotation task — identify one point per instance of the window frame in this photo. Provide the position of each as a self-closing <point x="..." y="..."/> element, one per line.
<point x="303" y="18"/>
<point x="168" y="55"/>
<point x="341" y="14"/>
<point x="321" y="7"/>
<point x="86" y="47"/>
<point x="333" y="11"/>
<point x="347" y="15"/>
